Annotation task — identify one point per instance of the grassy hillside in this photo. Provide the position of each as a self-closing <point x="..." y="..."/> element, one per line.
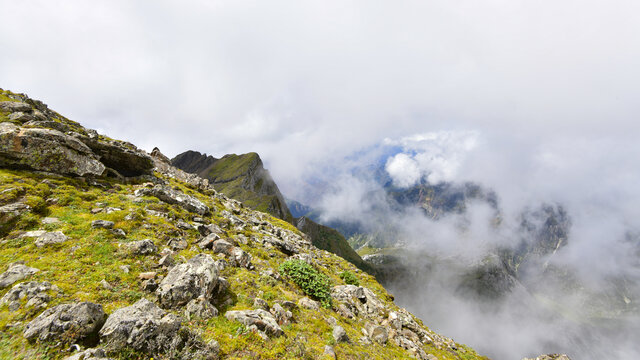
<point x="83" y="236"/>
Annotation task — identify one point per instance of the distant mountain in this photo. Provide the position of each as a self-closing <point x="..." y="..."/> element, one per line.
<point x="241" y="177"/>
<point x="244" y="178"/>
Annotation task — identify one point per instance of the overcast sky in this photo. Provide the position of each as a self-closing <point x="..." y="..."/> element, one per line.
<point x="308" y="82"/>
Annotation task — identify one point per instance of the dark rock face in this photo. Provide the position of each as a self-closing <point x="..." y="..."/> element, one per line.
<point x="46" y="150"/>
<point x="193" y="161"/>
<point x="67" y="322"/>
<point x="122" y="157"/>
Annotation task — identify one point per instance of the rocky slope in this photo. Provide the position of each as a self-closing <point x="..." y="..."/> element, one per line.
<point x="243" y="177"/>
<point x="107" y="252"/>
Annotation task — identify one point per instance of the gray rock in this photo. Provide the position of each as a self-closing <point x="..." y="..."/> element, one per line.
<point x="35" y="293"/>
<point x="22" y="117"/>
<point x="166" y="261"/>
<point x="328" y="351"/>
<point x="119" y="233"/>
<point x="171" y="196"/>
<point x="358" y="299"/>
<point x="339" y="334"/>
<point x="102" y="224"/>
<point x="282" y="316"/>
<point x="33" y="121"/>
<point x="259" y="318"/>
<point x="307" y="303"/>
<point x="260" y="304"/>
<point x="49" y="238"/>
<point x="196" y="278"/>
<point x="10" y="212"/>
<point x="200" y="308"/>
<point x="68" y="322"/>
<point x="14" y="106"/>
<point x="14" y="273"/>
<point x="142" y="247"/>
<point x="142" y="326"/>
<point x="46" y="150"/>
<point x="240" y="258"/>
<point x="50" y="220"/>
<point x="177" y="244"/>
<point x="183" y="225"/>
<point x="221" y="246"/>
<point x="377" y="333"/>
<point x="89" y="354"/>
<point x="208" y="241"/>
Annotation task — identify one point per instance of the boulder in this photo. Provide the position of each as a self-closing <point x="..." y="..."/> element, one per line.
<point x="200" y="308"/>
<point x="14" y="106"/>
<point x="15" y="272"/>
<point x="260" y="319"/>
<point x="74" y="322"/>
<point x="240" y="258"/>
<point x="46" y="150"/>
<point x="196" y="278"/>
<point x="49" y="238"/>
<point x="220" y="246"/>
<point x="377" y="333"/>
<point x="207" y="242"/>
<point x="142" y="326"/>
<point x="142" y="247"/>
<point x="307" y="303"/>
<point x="177" y="244"/>
<point x="175" y="197"/>
<point x="339" y="334"/>
<point x="102" y="224"/>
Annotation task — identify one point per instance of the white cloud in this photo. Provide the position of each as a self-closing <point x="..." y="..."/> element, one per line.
<point x="436" y="156"/>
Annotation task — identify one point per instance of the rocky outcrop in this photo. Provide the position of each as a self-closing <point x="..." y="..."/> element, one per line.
<point x="175" y="197"/>
<point x="77" y="322"/>
<point x="32" y="292"/>
<point x="142" y="326"/>
<point x="196" y="278"/>
<point x="46" y="150"/>
<point x="15" y="272"/>
<point x="142" y="247"/>
<point x="358" y="300"/>
<point x="260" y="320"/>
<point x="120" y="156"/>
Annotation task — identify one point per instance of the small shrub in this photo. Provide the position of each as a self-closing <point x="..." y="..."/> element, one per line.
<point x="349" y="278"/>
<point x="312" y="282"/>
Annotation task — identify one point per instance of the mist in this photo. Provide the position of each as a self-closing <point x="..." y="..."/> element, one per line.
<point x="579" y="298"/>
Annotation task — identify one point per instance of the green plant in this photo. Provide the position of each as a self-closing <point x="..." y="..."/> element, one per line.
<point x="312" y="282"/>
<point x="349" y="278"/>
